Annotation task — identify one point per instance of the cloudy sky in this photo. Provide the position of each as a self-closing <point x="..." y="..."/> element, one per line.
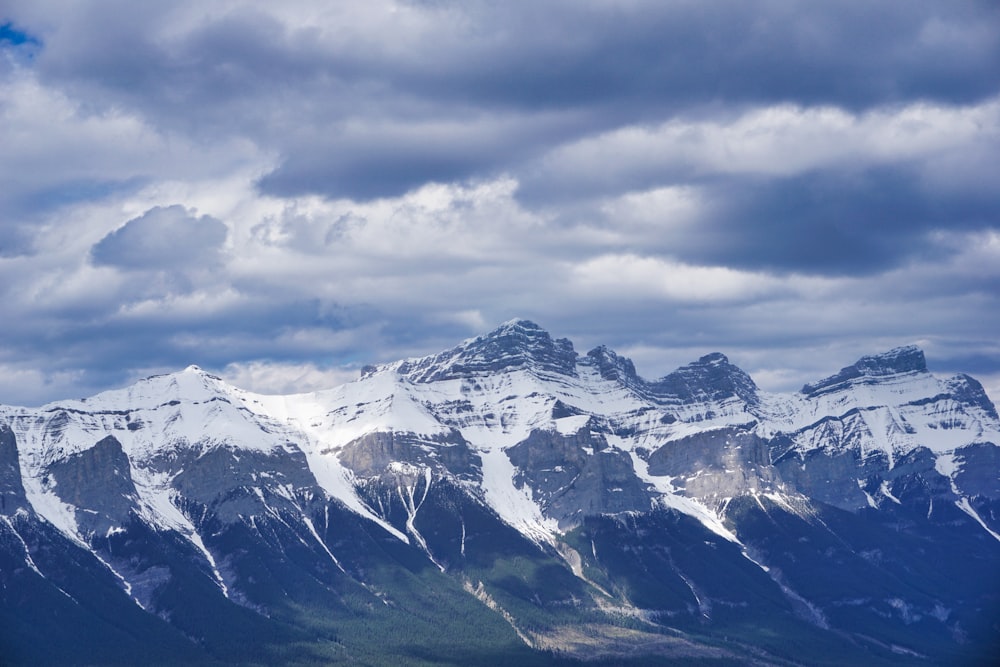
<point x="283" y="192"/>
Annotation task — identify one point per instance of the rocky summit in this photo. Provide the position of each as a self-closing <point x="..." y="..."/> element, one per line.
<point x="508" y="501"/>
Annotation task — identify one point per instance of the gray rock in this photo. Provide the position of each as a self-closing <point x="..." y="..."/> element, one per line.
<point x="979" y="470"/>
<point x="831" y="475"/>
<point x="719" y="464"/>
<point x="97" y="482"/>
<point x="12" y="496"/>
<point x="578" y="475"/>
<point x="227" y="481"/>
<point x="914" y="479"/>
<point x="371" y="454"/>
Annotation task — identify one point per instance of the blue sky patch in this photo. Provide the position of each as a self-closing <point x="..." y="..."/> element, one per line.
<point x="9" y="35"/>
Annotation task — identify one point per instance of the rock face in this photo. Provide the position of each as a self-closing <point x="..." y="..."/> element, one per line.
<point x="967" y="391"/>
<point x="977" y="470"/>
<point x="374" y="453"/>
<point x="237" y="484"/>
<point x="615" y="368"/>
<point x="842" y="478"/>
<point x="97" y="482"/>
<point x="715" y="466"/>
<point x="577" y="475"/>
<point x="12" y="495"/>
<point x="515" y="487"/>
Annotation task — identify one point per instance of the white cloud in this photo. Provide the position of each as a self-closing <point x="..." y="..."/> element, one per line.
<point x="779" y="140"/>
<point x="631" y="276"/>
<point x="58" y="147"/>
<point x="33" y="386"/>
<point x="264" y="377"/>
<point x="471" y="319"/>
<point x="167" y="307"/>
<point x="677" y="205"/>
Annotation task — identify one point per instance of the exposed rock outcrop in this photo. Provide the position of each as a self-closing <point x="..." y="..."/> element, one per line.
<point x="97" y="482"/>
<point x="577" y="475"/>
<point x="12" y="496"/>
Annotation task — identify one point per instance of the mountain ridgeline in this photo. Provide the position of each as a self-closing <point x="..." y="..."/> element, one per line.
<point x="508" y="501"/>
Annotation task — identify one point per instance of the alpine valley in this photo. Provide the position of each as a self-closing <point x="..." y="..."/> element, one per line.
<point x="508" y="501"/>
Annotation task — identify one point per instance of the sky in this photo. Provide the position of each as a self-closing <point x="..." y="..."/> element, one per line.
<point x="283" y="192"/>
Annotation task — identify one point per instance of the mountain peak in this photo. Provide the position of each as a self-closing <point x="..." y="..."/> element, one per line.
<point x="712" y="377"/>
<point x="713" y="358"/>
<point x="192" y="383"/>
<point x="905" y="359"/>
<point x="969" y="391"/>
<point x="516" y="324"/>
<point x="611" y="366"/>
<point x="897" y="361"/>
<point x="514" y="345"/>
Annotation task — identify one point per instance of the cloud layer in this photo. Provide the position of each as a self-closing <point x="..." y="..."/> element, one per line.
<point x="286" y="192"/>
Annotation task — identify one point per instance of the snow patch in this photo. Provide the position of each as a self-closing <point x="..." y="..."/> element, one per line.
<point x="868" y="496"/>
<point x="312" y="529"/>
<point x="571" y="425"/>
<point x="964" y="505"/>
<point x="884" y="489"/>
<point x="670" y="498"/>
<point x="515" y="506"/>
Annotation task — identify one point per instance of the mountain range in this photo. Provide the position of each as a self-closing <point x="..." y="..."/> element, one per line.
<point x="507" y="501"/>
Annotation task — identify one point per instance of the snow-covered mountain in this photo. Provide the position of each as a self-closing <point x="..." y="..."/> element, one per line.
<point x="682" y="505"/>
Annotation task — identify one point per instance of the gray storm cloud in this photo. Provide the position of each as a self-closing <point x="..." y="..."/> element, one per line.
<point x="163" y="238"/>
